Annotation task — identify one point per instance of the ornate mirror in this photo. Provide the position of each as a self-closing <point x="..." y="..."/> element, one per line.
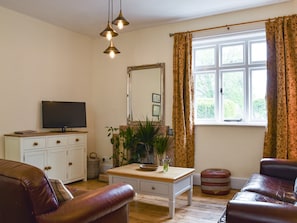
<point x="145" y="93"/>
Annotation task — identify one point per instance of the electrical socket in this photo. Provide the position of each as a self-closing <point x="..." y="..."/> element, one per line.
<point x="105" y="159"/>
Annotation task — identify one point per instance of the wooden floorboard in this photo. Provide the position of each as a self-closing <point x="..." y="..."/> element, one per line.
<point x="151" y="209"/>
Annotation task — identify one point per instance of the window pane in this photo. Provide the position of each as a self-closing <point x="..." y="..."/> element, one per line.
<point x="205" y="95"/>
<point x="232" y="54"/>
<point x="205" y="57"/>
<point x="258" y="95"/>
<point x="230" y="77"/>
<point x="258" y="53"/>
<point x="233" y="95"/>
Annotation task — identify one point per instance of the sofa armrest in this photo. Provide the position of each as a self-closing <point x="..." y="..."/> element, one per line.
<point x="91" y="206"/>
<point x="280" y="168"/>
<point x="259" y="212"/>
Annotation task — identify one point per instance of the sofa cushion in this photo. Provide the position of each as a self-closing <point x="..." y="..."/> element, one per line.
<point x="276" y="188"/>
<point x="62" y="193"/>
<point x="251" y="196"/>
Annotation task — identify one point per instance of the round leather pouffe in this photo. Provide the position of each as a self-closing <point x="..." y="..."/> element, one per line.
<point x="215" y="181"/>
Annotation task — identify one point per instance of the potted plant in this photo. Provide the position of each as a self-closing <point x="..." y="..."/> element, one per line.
<point x="146" y="134"/>
<point x="122" y="140"/>
<point x="161" y="145"/>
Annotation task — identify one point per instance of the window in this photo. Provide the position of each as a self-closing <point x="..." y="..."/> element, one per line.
<point x="230" y="78"/>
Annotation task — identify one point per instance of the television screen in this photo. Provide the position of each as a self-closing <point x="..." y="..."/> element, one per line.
<point x="61" y="114"/>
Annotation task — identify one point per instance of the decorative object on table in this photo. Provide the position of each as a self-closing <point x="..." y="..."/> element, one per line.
<point x="166" y="163"/>
<point x="148" y="167"/>
<point x="142" y="142"/>
<point x="161" y="145"/>
<point x="146" y="134"/>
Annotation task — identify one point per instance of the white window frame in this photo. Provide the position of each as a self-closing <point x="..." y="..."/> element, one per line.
<point x="208" y="41"/>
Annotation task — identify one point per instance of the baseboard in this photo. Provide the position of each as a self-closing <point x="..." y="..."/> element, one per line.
<point x="236" y="182"/>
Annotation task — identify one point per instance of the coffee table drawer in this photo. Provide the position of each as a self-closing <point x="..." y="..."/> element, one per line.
<point x="154" y="188"/>
<point x="132" y="182"/>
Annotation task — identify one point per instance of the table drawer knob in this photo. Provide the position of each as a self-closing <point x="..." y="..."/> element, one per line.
<point x="76" y="140"/>
<point x="58" y="141"/>
<point x="153" y="188"/>
<point x="35" y="144"/>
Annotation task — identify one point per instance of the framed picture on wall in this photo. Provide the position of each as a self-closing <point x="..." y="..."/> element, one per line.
<point x="156" y="110"/>
<point x="156" y="98"/>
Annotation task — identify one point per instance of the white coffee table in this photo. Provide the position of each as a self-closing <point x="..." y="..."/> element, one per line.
<point x="157" y="183"/>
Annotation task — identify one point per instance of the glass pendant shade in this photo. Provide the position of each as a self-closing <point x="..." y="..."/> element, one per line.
<point x="111" y="50"/>
<point x="120" y="21"/>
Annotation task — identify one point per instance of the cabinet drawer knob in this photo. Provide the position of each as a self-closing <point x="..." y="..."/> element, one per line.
<point x="70" y="163"/>
<point x="49" y="168"/>
<point x="77" y="140"/>
<point x="153" y="188"/>
<point x="35" y="143"/>
<point x="58" y="141"/>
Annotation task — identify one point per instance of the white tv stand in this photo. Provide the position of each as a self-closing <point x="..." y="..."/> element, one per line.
<point x="60" y="155"/>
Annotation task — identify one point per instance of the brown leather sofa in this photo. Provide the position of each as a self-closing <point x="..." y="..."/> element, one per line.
<point x="268" y="196"/>
<point x="26" y="196"/>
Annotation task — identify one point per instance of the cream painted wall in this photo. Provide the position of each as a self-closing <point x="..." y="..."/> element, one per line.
<point x="39" y="61"/>
<point x="236" y="148"/>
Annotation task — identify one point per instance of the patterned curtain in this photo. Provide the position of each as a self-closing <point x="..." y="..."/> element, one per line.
<point x="183" y="112"/>
<point x="281" y="132"/>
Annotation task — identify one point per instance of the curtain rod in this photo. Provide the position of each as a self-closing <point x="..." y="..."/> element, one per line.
<point x="223" y="26"/>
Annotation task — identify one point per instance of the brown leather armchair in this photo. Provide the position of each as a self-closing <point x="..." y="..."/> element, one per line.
<point x="26" y="196"/>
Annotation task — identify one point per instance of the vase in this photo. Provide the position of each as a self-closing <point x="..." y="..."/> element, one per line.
<point x="160" y="157"/>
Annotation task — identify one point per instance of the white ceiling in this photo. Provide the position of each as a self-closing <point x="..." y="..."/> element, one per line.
<point x="90" y="16"/>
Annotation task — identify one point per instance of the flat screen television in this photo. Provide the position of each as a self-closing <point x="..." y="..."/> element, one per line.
<point x="62" y="114"/>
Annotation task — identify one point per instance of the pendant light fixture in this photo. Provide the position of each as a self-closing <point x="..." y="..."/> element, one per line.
<point x="111" y="50"/>
<point x="120" y="21"/>
<point x="109" y="32"/>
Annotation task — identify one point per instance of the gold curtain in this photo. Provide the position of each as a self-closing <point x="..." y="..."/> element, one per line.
<point x="183" y="112"/>
<point x="281" y="131"/>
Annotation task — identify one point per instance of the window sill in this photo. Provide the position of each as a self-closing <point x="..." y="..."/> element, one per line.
<point x="247" y="124"/>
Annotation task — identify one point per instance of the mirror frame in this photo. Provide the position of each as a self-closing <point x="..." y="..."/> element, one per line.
<point x="130" y="69"/>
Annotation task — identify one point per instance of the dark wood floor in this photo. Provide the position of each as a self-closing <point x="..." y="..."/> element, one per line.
<point x="150" y="209"/>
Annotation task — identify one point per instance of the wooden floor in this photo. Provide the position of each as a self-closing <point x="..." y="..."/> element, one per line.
<point x="150" y="209"/>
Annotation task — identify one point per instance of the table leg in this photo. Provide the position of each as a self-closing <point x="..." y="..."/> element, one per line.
<point x="171" y="207"/>
<point x="190" y="194"/>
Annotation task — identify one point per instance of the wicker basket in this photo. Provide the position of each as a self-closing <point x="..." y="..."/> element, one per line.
<point x="93" y="166"/>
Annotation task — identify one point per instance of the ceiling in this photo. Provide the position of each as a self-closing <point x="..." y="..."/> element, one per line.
<point x="90" y="16"/>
